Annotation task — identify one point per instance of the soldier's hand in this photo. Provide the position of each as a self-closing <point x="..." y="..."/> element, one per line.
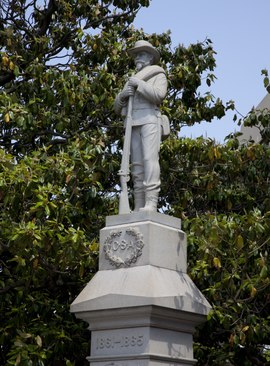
<point x="127" y="92"/>
<point x="134" y="82"/>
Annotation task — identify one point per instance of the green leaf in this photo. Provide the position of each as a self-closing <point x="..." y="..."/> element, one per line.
<point x="240" y="242"/>
<point x="39" y="341"/>
<point x="264" y="272"/>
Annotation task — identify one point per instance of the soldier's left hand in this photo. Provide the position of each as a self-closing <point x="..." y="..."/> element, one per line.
<point x="134" y="82"/>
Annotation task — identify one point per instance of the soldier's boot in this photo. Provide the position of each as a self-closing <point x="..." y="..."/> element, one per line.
<point x="151" y="199"/>
<point x="139" y="201"/>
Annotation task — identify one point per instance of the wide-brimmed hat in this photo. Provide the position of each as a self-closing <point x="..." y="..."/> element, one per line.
<point x="144" y="46"/>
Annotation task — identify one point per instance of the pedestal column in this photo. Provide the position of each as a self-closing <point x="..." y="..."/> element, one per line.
<point x="141" y="306"/>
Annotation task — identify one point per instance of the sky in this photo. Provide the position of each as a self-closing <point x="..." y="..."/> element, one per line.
<point x="240" y="32"/>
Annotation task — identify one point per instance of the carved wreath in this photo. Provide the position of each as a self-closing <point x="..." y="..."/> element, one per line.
<point x="136" y="250"/>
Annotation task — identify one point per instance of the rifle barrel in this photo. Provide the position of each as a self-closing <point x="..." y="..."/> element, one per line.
<point x="124" y="170"/>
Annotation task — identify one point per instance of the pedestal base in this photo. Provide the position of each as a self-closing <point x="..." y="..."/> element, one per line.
<point x="141" y="307"/>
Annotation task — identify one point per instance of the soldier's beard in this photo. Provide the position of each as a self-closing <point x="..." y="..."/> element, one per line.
<point x="141" y="64"/>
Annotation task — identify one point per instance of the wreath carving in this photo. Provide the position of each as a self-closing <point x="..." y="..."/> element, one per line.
<point x="122" y="248"/>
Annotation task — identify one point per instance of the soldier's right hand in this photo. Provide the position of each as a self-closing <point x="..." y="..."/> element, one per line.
<point x="127" y="92"/>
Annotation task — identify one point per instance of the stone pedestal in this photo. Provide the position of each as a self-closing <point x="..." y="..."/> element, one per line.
<point x="141" y="306"/>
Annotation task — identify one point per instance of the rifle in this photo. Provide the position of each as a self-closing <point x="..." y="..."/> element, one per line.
<point x="124" y="169"/>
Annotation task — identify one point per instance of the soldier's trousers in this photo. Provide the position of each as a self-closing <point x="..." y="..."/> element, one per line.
<point x="145" y="169"/>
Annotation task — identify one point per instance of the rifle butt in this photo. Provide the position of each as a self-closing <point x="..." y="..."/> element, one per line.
<point x="124" y="203"/>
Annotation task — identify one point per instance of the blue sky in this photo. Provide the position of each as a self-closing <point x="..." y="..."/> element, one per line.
<point x="240" y="32"/>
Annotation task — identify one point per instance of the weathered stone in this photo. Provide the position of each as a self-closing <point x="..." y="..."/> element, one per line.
<point x="143" y="312"/>
<point x="157" y="236"/>
<point x="141" y="286"/>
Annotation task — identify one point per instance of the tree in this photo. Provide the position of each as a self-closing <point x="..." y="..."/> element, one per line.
<point x="62" y="63"/>
<point x="222" y="193"/>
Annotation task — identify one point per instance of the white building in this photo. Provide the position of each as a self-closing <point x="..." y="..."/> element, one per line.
<point x="253" y="133"/>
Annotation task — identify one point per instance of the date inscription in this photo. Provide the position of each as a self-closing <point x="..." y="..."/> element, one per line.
<point x="119" y="342"/>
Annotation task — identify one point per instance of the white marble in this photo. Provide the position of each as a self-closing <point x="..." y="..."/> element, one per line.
<point x="142" y="216"/>
<point x="139" y="102"/>
<point x="145" y="312"/>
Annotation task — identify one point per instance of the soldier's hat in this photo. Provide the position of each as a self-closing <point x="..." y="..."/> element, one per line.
<point x="144" y="46"/>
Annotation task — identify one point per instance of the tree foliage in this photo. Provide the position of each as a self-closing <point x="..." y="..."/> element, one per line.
<point x="222" y="193"/>
<point x="61" y="65"/>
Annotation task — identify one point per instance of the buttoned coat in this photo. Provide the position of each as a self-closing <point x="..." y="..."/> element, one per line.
<point x="148" y="96"/>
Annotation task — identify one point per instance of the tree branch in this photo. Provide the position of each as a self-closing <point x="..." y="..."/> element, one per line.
<point x="90" y="24"/>
<point x="46" y="18"/>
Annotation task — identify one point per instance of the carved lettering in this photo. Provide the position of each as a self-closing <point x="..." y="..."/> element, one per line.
<point x="121" y="342"/>
<point x="123" y="248"/>
<point x="123" y="245"/>
<point x="115" y="245"/>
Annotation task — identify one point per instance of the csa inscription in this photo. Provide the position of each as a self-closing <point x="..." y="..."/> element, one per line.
<point x="123" y="247"/>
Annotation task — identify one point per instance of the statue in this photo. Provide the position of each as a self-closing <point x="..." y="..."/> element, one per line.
<point x="139" y="102"/>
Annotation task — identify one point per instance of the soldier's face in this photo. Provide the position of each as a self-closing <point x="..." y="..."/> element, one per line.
<point x="143" y="59"/>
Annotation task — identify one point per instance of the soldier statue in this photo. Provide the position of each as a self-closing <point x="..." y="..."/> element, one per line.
<point x="147" y="89"/>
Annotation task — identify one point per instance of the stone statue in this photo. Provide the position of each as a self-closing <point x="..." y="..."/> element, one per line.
<point x="140" y="100"/>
